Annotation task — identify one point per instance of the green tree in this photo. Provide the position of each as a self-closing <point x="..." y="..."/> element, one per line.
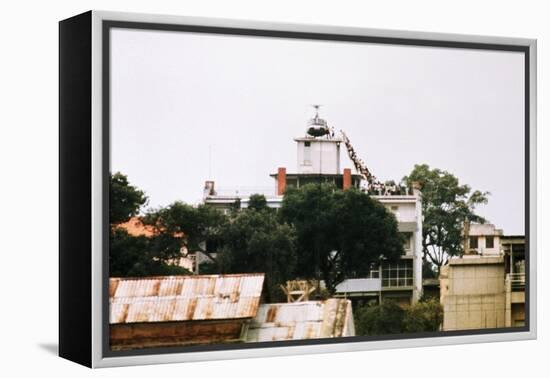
<point x="339" y="233"/>
<point x="446" y="205"/>
<point x="132" y="255"/>
<point x="383" y="319"/>
<point x="254" y="241"/>
<point x="257" y="202"/>
<point x="125" y="200"/>
<point x="424" y="316"/>
<point x="181" y="225"/>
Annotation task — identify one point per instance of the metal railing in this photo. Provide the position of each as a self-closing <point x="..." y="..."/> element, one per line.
<point x="245" y="191"/>
<point x="517" y="280"/>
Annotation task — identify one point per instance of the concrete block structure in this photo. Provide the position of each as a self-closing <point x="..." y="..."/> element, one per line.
<point x="473" y="293"/>
<point x="484" y="239"/>
<point x="485" y="290"/>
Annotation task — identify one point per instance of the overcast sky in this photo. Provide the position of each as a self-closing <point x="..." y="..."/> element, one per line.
<point x="188" y="107"/>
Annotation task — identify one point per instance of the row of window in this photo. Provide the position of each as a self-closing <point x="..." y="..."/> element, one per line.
<point x="394" y="275"/>
<point x="489" y="242"/>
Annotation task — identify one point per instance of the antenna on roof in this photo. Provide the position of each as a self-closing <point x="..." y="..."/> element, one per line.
<point x="210" y="162"/>
<point x="317" y="106"/>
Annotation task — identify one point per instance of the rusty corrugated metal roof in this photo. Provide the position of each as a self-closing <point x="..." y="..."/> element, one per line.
<point x="302" y="320"/>
<point x="180" y="298"/>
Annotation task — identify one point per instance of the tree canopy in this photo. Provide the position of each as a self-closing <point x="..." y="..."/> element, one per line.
<point x="255" y="241"/>
<point x="389" y="318"/>
<point x="424" y="316"/>
<point x="257" y="202"/>
<point x="181" y="225"/>
<point x="125" y="200"/>
<point x="135" y="255"/>
<point x="383" y="319"/>
<point x="446" y="205"/>
<point x="340" y="233"/>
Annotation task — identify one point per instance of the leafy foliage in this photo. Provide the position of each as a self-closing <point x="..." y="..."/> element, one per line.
<point x="181" y="225"/>
<point x="428" y="270"/>
<point x="339" y="233"/>
<point x="125" y="200"/>
<point x="389" y="318"/>
<point x="130" y="256"/>
<point x="254" y="241"/>
<point x="424" y="316"/>
<point x="383" y="319"/>
<point x="446" y="205"/>
<point x="136" y="255"/>
<point x="257" y="202"/>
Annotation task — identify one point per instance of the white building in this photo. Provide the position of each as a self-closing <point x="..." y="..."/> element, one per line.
<point x="483" y="239"/>
<point x="318" y="160"/>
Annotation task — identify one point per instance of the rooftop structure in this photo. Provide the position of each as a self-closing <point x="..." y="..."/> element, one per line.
<point x="482" y="239"/>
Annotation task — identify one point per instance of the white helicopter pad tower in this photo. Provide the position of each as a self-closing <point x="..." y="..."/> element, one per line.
<point x="319" y="149"/>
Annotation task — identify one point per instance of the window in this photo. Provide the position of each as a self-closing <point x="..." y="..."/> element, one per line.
<point x="407" y="238"/>
<point x="473" y="242"/>
<point x="397" y="275"/>
<point x="489" y="242"/>
<point x="374" y="271"/>
<point x="307" y="153"/>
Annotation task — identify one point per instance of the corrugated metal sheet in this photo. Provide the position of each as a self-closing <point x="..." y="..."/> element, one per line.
<point x="179" y="298"/>
<point x="302" y="320"/>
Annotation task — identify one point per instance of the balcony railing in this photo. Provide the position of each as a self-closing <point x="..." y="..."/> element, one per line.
<point x="245" y="191"/>
<point x="517" y="280"/>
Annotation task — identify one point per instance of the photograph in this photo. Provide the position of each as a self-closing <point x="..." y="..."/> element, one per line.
<point x="280" y="190"/>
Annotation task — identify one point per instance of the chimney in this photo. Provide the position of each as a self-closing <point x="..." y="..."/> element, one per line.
<point x="347" y="179"/>
<point x="281" y="181"/>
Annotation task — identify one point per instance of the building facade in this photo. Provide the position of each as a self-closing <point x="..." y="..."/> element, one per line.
<point x="485" y="288"/>
<point x="473" y="293"/>
<point x="483" y="239"/>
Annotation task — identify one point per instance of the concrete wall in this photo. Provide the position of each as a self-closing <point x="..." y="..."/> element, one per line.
<point x="405" y="212"/>
<point x="323" y="156"/>
<point x="481" y="231"/>
<point x="482" y="248"/>
<point x="473" y="293"/>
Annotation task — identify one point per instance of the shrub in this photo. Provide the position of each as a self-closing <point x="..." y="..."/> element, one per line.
<point x="381" y="319"/>
<point x="388" y="317"/>
<point x="424" y="316"/>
